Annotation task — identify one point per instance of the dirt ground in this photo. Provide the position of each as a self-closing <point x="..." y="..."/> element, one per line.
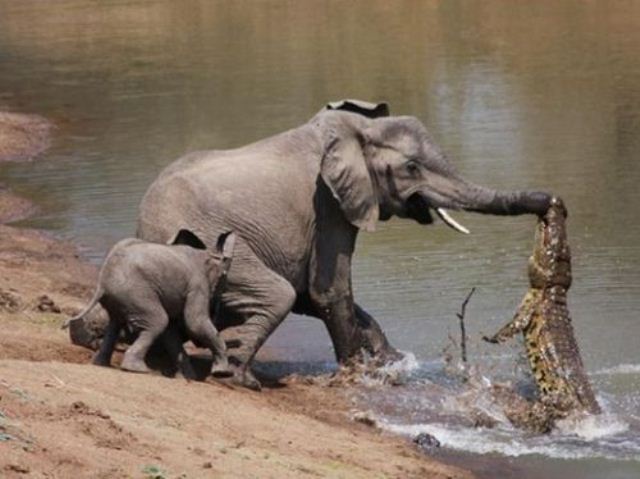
<point x="62" y="417"/>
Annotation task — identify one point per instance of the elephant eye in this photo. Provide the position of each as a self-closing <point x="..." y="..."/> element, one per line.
<point x="413" y="166"/>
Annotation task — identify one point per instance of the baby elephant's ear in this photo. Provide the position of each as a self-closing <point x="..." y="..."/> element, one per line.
<point x="364" y="108"/>
<point x="187" y="237"/>
<point x="225" y="244"/>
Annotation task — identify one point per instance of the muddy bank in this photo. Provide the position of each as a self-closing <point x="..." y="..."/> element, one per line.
<point x="22" y="137"/>
<point x="41" y="275"/>
<point x="62" y="417"/>
<point x="82" y="421"/>
<point x="14" y="207"/>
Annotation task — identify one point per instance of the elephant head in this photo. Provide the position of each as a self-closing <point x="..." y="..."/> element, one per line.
<point x="378" y="166"/>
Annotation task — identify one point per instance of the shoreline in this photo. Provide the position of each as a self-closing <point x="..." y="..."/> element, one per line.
<point x="14" y="207"/>
<point x="23" y="136"/>
<point x="60" y="413"/>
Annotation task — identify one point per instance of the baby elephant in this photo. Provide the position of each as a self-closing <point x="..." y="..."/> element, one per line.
<point x="161" y="290"/>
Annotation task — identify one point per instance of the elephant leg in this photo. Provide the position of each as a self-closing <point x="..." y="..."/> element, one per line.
<point x="338" y="312"/>
<point x="330" y="295"/>
<point x="103" y="356"/>
<point x="262" y="299"/>
<point x="201" y="330"/>
<point x="172" y="342"/>
<point x="353" y="331"/>
<point x="373" y="340"/>
<point x="151" y="322"/>
<point x="366" y="334"/>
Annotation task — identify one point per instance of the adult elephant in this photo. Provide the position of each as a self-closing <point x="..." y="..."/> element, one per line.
<point x="297" y="201"/>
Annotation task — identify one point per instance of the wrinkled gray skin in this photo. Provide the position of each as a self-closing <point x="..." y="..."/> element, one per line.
<point x="162" y="291"/>
<point x="297" y="201"/>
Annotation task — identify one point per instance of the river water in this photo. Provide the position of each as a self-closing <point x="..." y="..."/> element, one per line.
<point x="520" y="94"/>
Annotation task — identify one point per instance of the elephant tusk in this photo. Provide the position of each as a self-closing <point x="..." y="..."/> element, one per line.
<point x="446" y="217"/>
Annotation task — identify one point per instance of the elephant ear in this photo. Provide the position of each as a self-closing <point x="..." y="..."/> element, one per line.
<point x="364" y="108"/>
<point x="344" y="170"/>
<point x="222" y="258"/>
<point x="225" y="244"/>
<point x="187" y="237"/>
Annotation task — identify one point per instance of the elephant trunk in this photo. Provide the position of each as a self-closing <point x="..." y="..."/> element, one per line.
<point x="472" y="197"/>
<point x="510" y="203"/>
<point x="442" y="192"/>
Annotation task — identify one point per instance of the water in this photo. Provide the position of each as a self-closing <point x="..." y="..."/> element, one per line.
<point x="432" y="400"/>
<point x="522" y="95"/>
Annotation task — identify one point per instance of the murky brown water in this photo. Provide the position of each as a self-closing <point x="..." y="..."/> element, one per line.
<point x="521" y="94"/>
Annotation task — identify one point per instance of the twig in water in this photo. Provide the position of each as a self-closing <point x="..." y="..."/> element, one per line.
<point x="463" y="332"/>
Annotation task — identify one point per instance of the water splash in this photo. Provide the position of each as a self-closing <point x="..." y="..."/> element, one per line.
<point x="433" y="401"/>
<point x="619" y="369"/>
<point x="396" y="373"/>
<point x="591" y="428"/>
<point x="506" y="442"/>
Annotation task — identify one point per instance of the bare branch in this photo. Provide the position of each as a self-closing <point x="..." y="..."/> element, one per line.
<point x="463" y="331"/>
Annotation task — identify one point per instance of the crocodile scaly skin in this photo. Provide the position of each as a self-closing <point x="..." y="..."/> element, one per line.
<point x="543" y="318"/>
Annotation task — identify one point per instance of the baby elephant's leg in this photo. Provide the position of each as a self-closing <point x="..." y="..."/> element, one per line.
<point x="201" y="329"/>
<point x="151" y="322"/>
<point x="103" y="356"/>
<point x="172" y="342"/>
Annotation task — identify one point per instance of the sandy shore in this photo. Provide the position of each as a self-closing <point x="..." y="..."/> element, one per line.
<point x="23" y="137"/>
<point x="62" y="417"/>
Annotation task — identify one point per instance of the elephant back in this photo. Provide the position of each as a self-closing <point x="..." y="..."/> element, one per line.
<point x="264" y="192"/>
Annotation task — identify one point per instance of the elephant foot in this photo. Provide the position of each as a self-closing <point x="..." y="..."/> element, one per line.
<point x="388" y="356"/>
<point x="246" y="380"/>
<point x="134" y="365"/>
<point x="101" y="361"/>
<point x="185" y="369"/>
<point x="371" y="339"/>
<point x="221" y="369"/>
<point x="242" y="376"/>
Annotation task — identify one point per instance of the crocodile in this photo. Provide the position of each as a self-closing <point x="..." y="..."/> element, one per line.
<point x="543" y="318"/>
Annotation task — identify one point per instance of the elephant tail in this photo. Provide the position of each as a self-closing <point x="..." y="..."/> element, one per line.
<point x="96" y="298"/>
